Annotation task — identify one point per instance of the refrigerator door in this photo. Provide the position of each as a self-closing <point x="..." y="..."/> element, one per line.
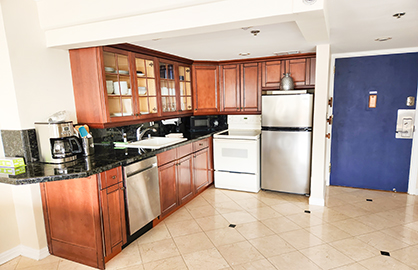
<point x="286" y="161"/>
<point x="291" y="111"/>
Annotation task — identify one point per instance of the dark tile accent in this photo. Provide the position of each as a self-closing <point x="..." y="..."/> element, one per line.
<point x="369" y="200"/>
<point x="307" y="211"/>
<point x="385" y="253"/>
<point x="232" y="225"/>
<point x="20" y="143"/>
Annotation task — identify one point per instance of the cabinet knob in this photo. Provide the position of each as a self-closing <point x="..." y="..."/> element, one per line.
<point x="200" y="144"/>
<point x="151" y="64"/>
<point x="237" y="109"/>
<point x="195" y="109"/>
<point x="123" y="188"/>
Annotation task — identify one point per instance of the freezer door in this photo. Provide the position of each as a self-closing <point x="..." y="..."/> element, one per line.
<point x="287" y="110"/>
<point x="286" y="161"/>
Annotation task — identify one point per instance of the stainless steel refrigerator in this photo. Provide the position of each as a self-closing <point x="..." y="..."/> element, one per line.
<point x="286" y="138"/>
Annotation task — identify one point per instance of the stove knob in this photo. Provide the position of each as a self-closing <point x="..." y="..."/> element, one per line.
<point x="215" y="123"/>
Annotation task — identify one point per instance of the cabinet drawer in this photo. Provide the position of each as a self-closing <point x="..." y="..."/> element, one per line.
<point x="166" y="157"/>
<point x="184" y="150"/>
<point x="200" y="144"/>
<point x="110" y="177"/>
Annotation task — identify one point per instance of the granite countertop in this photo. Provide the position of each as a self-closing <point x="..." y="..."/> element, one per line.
<point x="104" y="158"/>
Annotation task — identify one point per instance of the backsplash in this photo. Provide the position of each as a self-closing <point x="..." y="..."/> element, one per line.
<point x="20" y="143"/>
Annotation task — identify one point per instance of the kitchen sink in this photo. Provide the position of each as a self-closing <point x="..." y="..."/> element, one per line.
<point x="151" y="143"/>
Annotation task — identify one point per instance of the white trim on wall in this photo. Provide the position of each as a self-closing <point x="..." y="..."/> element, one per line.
<point x="413" y="167"/>
<point x="25" y="251"/>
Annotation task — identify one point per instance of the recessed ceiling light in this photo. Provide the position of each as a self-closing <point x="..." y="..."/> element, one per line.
<point x="244" y="53"/>
<point x="398" y="15"/>
<point x="285" y="53"/>
<point x="383" y="39"/>
<point x="309" y="2"/>
<point x="255" y="32"/>
<point x="246" y="28"/>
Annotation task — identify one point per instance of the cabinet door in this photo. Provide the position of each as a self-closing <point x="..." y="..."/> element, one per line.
<point x="168" y="90"/>
<point x="311" y="72"/>
<point x="201" y="169"/>
<point x="185" y="83"/>
<point x="230" y="88"/>
<point x="297" y="70"/>
<point x="272" y="72"/>
<point x="251" y="87"/>
<point x="118" y="84"/>
<point x="185" y="182"/>
<point x="206" y="93"/>
<point x="113" y="211"/>
<point x="168" y="187"/>
<point x="146" y="87"/>
<point x="72" y="220"/>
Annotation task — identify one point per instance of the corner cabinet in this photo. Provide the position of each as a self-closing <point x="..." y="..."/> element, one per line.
<point x="205" y="88"/>
<point x="85" y="217"/>
<point x="122" y="85"/>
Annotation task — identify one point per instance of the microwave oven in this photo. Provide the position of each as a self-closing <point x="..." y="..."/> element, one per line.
<point x="207" y="123"/>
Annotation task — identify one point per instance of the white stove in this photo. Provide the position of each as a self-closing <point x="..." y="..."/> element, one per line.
<point x="237" y="154"/>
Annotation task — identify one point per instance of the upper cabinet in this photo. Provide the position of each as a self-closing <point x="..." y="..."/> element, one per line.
<point x="205" y="88"/>
<point x="121" y="85"/>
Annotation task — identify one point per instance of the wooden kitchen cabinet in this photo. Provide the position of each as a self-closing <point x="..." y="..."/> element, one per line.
<point x="205" y="88"/>
<point x="76" y="210"/>
<point x="241" y="88"/>
<point x="185" y="179"/>
<point x="272" y="72"/>
<point x="167" y="175"/>
<point x="201" y="169"/>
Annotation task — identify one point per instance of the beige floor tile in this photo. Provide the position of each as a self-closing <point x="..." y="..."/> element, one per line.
<point x="180" y="215"/>
<point x="287" y="209"/>
<point x="239" y="217"/>
<point x="69" y="265"/>
<point x="133" y="267"/>
<point x="301" y="239"/>
<point x="10" y="265"/>
<point x="382" y="241"/>
<point x="193" y="243"/>
<point x="350" y="197"/>
<point x="293" y="261"/>
<point x="239" y="195"/>
<point x="398" y="215"/>
<point x="413" y="226"/>
<point x="351" y="211"/>
<point x="353" y="266"/>
<point x="328" y="233"/>
<point x="158" y="250"/>
<point x="174" y="263"/>
<point x="280" y="225"/>
<point x="263" y="213"/>
<point x="128" y="257"/>
<point x="196" y="202"/>
<point x="272" y="200"/>
<point x="240" y="253"/>
<point x="353" y="226"/>
<point x="159" y="232"/>
<point x="326" y="256"/>
<point x="216" y="197"/>
<point x="25" y="262"/>
<point x="253" y="230"/>
<point x="209" y="259"/>
<point x="203" y="211"/>
<point x="271" y="245"/>
<point x="256" y="265"/>
<point x="46" y="266"/>
<point x="355" y="249"/>
<point x="250" y="203"/>
<point x="212" y="223"/>
<point x="383" y="262"/>
<point x="377" y="222"/>
<point x="227" y="207"/>
<point x="183" y="228"/>
<point x="225" y="236"/>
<point x="404" y="234"/>
<point x="305" y="220"/>
<point x="408" y="256"/>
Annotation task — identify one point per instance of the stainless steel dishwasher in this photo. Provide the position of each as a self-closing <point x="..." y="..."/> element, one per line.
<point x="142" y="193"/>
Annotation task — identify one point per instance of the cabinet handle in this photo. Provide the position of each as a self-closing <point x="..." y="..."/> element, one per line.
<point x="114" y="177"/>
<point x="195" y="109"/>
<point x="237" y="109"/>
<point x="200" y="144"/>
<point x="151" y="64"/>
<point x="122" y="188"/>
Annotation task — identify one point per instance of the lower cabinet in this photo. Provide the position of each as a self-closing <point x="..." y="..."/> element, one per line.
<point x="85" y="220"/>
<point x="185" y="176"/>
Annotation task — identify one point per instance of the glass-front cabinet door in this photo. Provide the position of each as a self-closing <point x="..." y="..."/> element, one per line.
<point x="168" y="88"/>
<point x="118" y="84"/>
<point x="146" y="92"/>
<point x="185" y="82"/>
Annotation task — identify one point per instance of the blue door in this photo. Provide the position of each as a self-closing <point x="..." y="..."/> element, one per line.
<point x="364" y="151"/>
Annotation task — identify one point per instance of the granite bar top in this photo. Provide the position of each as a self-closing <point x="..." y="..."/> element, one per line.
<point x="106" y="157"/>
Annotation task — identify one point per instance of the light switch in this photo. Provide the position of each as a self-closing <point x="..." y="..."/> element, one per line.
<point x="407" y="127"/>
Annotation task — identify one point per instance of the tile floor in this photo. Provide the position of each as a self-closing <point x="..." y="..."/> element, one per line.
<point x="272" y="231"/>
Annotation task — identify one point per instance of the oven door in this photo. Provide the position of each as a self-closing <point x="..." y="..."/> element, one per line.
<point x="234" y="155"/>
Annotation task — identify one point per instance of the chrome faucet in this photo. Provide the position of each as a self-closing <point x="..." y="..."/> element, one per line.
<point x="140" y="134"/>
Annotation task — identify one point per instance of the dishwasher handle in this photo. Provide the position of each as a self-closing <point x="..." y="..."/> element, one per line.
<point x="141" y="171"/>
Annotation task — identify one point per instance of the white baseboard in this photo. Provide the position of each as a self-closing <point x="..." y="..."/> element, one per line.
<point x="36" y="254"/>
<point x="316" y="201"/>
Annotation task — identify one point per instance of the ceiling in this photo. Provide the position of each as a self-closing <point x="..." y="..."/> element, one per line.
<point x="354" y="25"/>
